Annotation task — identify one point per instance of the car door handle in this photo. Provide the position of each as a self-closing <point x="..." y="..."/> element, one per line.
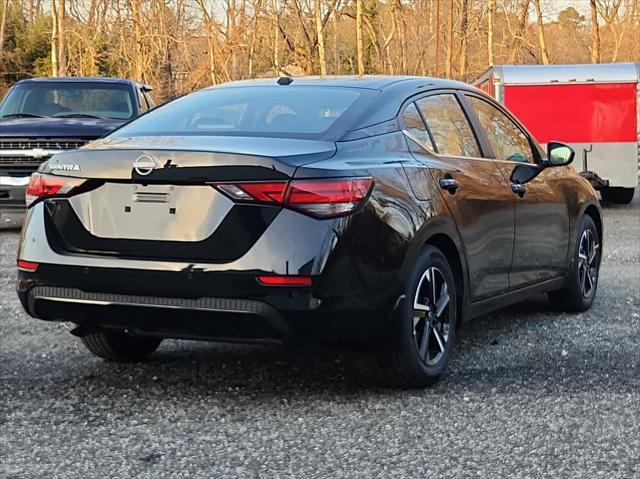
<point x="518" y="189"/>
<point x="449" y="184"/>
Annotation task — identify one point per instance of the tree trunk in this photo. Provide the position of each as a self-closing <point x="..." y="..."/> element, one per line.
<point x="62" y="54"/>
<point x="3" y="21"/>
<point x="491" y="8"/>
<point x="541" y="40"/>
<point x="211" y="47"/>
<point x="55" y="66"/>
<point x="335" y="17"/>
<point x="138" y="62"/>
<point x="437" y="32"/>
<point x="359" y="39"/>
<point x="522" y="23"/>
<point x="462" y="65"/>
<point x="449" y="57"/>
<point x="595" y="33"/>
<point x="320" y="35"/>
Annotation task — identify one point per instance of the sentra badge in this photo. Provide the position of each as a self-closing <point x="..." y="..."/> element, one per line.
<point x="64" y="167"/>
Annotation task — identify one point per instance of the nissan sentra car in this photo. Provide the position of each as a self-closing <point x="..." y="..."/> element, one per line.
<point x="379" y="210"/>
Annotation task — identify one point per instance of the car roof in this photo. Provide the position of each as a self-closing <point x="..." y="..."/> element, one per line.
<point x="370" y="82"/>
<point x="390" y="91"/>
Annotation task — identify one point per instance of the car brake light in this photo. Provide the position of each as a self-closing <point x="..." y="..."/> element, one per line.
<point x="43" y="186"/>
<point x="328" y="198"/>
<point x="28" y="266"/>
<point x="322" y="198"/>
<point x="284" y="280"/>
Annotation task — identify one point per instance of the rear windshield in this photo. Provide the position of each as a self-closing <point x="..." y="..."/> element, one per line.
<point x="281" y="111"/>
<point x="62" y="99"/>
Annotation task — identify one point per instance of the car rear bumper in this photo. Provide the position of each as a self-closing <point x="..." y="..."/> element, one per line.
<point x="199" y="305"/>
<point x="348" y="299"/>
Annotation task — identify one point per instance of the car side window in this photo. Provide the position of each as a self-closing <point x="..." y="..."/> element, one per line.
<point x="142" y="101"/>
<point x="416" y="126"/>
<point x="449" y="126"/>
<point x="507" y="140"/>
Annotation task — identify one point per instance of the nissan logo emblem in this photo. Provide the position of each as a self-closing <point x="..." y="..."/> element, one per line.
<point x="144" y="165"/>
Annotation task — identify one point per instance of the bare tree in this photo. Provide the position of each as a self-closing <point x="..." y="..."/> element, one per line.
<point x="491" y="8"/>
<point x="359" y="39"/>
<point x="449" y="50"/>
<point x="595" y="33"/>
<point x="3" y="22"/>
<point x="320" y="35"/>
<point x="541" y="38"/>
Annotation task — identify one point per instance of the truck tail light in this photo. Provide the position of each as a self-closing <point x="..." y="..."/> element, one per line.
<point x="28" y="266"/>
<point x="322" y="198"/>
<point x="44" y="186"/>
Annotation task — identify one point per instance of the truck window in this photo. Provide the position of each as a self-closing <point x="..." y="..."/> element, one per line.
<point x="68" y="99"/>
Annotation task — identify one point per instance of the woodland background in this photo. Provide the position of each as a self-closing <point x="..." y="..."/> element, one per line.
<point x="179" y="45"/>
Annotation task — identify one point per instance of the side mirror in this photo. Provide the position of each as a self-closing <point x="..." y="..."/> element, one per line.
<point x="559" y="154"/>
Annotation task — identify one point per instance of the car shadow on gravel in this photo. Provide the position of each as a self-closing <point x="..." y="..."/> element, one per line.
<point x="506" y="352"/>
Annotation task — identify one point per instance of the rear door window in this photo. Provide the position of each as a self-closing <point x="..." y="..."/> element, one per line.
<point x="415" y="126"/>
<point x="449" y="126"/>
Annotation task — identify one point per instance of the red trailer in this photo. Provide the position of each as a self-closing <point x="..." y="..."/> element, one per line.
<point x="593" y="108"/>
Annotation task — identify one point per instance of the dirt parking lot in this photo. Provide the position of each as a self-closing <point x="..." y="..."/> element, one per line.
<point x="529" y="393"/>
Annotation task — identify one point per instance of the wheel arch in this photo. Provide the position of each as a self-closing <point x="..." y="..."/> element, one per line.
<point x="440" y="231"/>
<point x="593" y="211"/>
<point x="448" y="247"/>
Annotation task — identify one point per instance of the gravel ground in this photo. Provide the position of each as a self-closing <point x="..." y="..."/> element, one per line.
<point x="529" y="393"/>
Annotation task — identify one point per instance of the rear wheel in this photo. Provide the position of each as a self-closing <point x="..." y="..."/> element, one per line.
<point x="582" y="280"/>
<point x="423" y="333"/>
<point x="617" y="195"/>
<point x="119" y="346"/>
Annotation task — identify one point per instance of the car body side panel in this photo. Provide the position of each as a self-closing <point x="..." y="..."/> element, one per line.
<point x="483" y="212"/>
<point x="541" y="225"/>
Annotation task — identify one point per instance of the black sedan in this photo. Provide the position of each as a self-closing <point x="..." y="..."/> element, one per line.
<point x="377" y="210"/>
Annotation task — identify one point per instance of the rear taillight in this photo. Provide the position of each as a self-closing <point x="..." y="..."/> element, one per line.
<point x="323" y="198"/>
<point x="327" y="198"/>
<point x="43" y="186"/>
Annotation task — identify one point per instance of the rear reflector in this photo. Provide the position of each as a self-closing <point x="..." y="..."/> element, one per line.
<point x="323" y="198"/>
<point x="284" y="280"/>
<point x="43" y="186"/>
<point x="28" y="266"/>
<point x="263" y="192"/>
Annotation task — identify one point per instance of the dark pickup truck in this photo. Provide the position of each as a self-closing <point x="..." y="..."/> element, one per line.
<point x="40" y="117"/>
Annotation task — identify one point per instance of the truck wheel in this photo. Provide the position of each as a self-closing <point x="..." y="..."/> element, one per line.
<point x="617" y="194"/>
<point x="420" y="338"/>
<point x="581" y="282"/>
<point x="119" y="346"/>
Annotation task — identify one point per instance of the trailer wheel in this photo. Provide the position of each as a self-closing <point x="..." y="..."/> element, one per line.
<point x="617" y="195"/>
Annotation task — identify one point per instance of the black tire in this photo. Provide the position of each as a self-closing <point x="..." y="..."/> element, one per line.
<point x="617" y="195"/>
<point x="119" y="346"/>
<point x="573" y="296"/>
<point x="401" y="363"/>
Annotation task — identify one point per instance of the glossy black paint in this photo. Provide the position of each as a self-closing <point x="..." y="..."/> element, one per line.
<point x="502" y="247"/>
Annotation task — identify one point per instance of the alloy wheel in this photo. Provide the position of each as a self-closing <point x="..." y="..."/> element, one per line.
<point x="587" y="263"/>
<point x="431" y="319"/>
